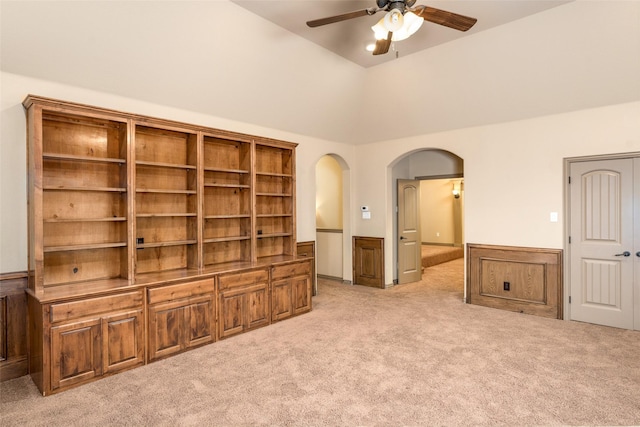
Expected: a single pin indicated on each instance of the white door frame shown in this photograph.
(566, 312)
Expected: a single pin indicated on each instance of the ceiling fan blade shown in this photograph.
(343, 17)
(442, 17)
(382, 46)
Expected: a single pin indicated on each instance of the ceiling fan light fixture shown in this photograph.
(393, 20)
(412, 23)
(379, 31)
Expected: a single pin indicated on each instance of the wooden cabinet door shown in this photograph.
(165, 329)
(282, 307)
(257, 302)
(232, 313)
(291, 289)
(177, 325)
(301, 291)
(122, 341)
(76, 353)
(199, 322)
(243, 309)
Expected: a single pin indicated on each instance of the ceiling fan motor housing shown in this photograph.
(401, 5)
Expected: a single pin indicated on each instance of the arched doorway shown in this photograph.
(439, 176)
(333, 225)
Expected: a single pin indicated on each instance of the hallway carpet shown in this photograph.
(411, 355)
(434, 255)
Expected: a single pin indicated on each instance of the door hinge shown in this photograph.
(569, 239)
(569, 180)
(569, 299)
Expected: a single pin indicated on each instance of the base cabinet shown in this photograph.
(243, 302)
(291, 289)
(74, 342)
(180, 317)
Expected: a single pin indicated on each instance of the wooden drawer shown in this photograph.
(236, 280)
(305, 250)
(181, 291)
(302, 268)
(61, 312)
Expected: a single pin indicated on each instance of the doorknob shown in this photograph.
(626, 253)
(638, 254)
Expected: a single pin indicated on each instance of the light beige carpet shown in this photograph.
(434, 254)
(410, 355)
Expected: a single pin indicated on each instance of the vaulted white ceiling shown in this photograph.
(350, 38)
(221, 59)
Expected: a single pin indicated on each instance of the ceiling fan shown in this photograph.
(401, 21)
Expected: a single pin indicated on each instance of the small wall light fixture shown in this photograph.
(456, 189)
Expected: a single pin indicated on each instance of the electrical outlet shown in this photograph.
(507, 286)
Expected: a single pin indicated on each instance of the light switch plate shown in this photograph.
(553, 217)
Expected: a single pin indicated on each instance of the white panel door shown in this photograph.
(602, 234)
(409, 236)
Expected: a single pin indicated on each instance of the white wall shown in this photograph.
(513, 173)
(583, 54)
(13, 191)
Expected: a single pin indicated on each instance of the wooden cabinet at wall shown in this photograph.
(123, 206)
(243, 302)
(180, 317)
(85, 339)
(308, 250)
(290, 289)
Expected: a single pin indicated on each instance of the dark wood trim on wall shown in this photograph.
(445, 176)
(13, 325)
(368, 261)
(521, 279)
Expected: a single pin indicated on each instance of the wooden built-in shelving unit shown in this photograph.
(148, 237)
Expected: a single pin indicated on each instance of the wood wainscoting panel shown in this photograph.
(525, 280)
(13, 326)
(368, 261)
(308, 250)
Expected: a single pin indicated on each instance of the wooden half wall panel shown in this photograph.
(368, 261)
(13, 326)
(525, 280)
